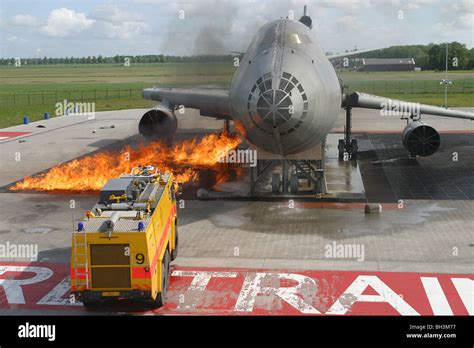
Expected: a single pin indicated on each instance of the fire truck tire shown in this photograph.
(174, 253)
(165, 267)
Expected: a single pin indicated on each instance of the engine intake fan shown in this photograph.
(158, 123)
(420, 139)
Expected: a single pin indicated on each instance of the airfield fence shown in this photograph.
(409, 87)
(53, 97)
(373, 87)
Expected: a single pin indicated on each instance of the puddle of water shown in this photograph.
(33, 230)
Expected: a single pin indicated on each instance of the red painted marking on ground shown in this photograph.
(371, 131)
(7, 135)
(333, 205)
(219, 291)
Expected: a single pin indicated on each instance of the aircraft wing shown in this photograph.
(351, 53)
(210, 102)
(369, 101)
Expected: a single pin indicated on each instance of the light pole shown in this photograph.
(445, 81)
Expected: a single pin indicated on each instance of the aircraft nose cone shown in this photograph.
(277, 102)
(275, 107)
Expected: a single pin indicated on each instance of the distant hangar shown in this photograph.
(390, 64)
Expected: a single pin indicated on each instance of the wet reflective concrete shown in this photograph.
(448, 174)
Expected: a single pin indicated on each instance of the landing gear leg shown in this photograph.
(348, 147)
(226, 126)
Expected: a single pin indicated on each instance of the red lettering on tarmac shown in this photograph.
(207, 291)
(8, 135)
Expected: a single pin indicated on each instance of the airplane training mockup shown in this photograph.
(285, 97)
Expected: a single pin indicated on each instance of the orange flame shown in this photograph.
(187, 161)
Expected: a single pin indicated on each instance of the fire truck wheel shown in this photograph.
(165, 267)
(174, 253)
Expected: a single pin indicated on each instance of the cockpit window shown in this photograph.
(294, 38)
(298, 38)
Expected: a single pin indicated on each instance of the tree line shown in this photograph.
(118, 59)
(429, 57)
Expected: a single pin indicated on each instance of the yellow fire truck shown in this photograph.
(123, 247)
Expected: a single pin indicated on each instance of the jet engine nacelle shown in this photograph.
(420, 139)
(158, 123)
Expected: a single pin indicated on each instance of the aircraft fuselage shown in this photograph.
(285, 96)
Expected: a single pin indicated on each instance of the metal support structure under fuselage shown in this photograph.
(290, 175)
(287, 176)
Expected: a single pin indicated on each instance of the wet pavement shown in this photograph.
(449, 174)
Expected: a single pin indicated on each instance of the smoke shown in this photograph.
(210, 40)
(216, 27)
(190, 31)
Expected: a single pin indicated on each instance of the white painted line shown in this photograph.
(438, 301)
(465, 289)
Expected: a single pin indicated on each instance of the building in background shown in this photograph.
(391, 64)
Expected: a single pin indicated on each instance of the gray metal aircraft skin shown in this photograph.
(285, 95)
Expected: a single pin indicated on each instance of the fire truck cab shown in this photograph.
(123, 247)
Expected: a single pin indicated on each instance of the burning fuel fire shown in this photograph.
(187, 160)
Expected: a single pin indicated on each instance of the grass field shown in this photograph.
(33, 90)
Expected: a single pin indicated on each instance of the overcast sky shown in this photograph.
(61, 28)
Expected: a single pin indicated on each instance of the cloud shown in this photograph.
(113, 14)
(461, 6)
(110, 27)
(350, 24)
(63, 22)
(458, 18)
(344, 4)
(123, 31)
(15, 39)
(458, 25)
(12, 38)
(466, 21)
(402, 4)
(112, 22)
(24, 20)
